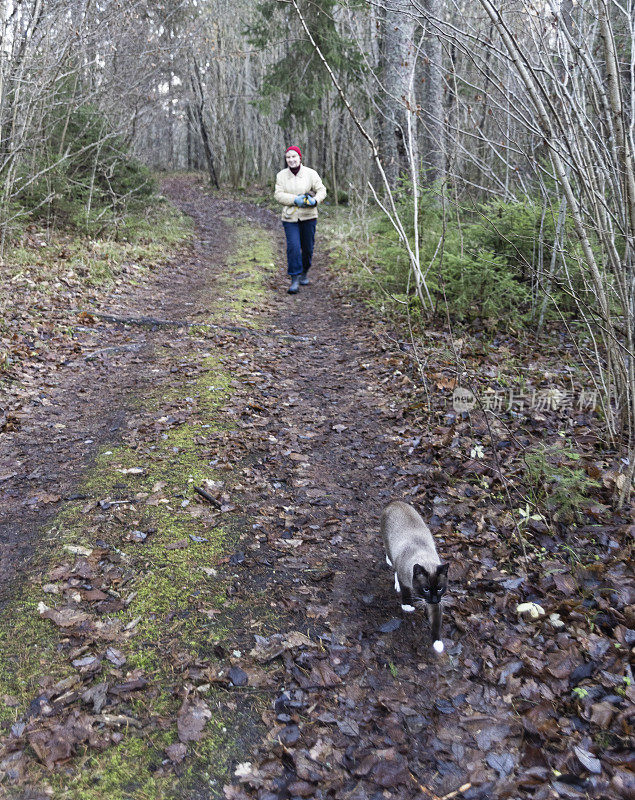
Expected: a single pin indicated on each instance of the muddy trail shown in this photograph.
(286, 668)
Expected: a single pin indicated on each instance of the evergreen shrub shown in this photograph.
(557, 482)
(471, 275)
(482, 284)
(524, 232)
(514, 230)
(86, 178)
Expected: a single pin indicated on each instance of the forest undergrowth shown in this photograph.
(483, 334)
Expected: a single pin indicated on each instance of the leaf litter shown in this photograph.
(534, 696)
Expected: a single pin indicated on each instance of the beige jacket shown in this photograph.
(289, 186)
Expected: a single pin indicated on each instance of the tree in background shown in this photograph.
(398, 55)
(298, 78)
(74, 78)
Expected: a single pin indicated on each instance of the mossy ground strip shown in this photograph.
(168, 590)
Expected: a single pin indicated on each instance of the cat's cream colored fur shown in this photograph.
(408, 542)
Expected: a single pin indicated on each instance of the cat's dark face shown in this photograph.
(429, 586)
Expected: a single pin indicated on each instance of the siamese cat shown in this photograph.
(419, 574)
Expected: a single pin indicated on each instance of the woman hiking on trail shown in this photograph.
(299, 190)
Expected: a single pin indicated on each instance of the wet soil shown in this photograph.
(89, 401)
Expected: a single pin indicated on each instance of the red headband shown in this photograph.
(293, 147)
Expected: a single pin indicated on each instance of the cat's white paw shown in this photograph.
(438, 645)
(409, 610)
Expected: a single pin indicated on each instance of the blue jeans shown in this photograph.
(300, 238)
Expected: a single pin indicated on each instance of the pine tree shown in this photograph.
(299, 75)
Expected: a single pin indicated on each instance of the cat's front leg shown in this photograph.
(435, 613)
(406, 600)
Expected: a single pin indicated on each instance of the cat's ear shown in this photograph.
(419, 571)
(442, 573)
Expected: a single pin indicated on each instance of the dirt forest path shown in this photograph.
(278, 407)
(78, 409)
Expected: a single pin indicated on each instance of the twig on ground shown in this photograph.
(458, 791)
(151, 322)
(432, 796)
(142, 321)
(207, 496)
(122, 348)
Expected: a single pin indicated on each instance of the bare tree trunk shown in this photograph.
(398, 53)
(433, 151)
(199, 109)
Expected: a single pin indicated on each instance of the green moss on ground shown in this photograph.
(135, 768)
(169, 590)
(29, 652)
(209, 390)
(247, 271)
(125, 771)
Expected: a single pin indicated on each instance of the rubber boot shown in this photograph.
(304, 278)
(295, 285)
